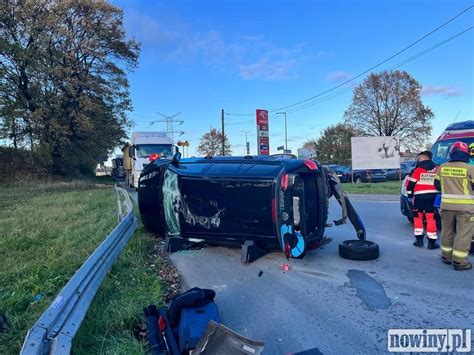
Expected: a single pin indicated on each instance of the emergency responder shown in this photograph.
(421, 189)
(455, 180)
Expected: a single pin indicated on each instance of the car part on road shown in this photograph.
(183, 323)
(54, 331)
(358, 250)
(155, 339)
(218, 339)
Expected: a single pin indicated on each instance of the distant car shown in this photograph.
(369, 175)
(274, 202)
(343, 172)
(399, 174)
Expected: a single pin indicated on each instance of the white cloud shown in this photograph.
(264, 69)
(248, 55)
(338, 76)
(442, 90)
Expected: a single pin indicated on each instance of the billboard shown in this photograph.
(306, 153)
(375, 153)
(263, 140)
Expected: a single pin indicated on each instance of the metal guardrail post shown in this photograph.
(54, 331)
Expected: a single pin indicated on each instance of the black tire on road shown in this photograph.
(358, 250)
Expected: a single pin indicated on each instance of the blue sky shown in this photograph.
(199, 57)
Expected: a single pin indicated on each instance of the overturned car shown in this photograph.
(263, 202)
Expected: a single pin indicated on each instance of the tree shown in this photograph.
(211, 143)
(389, 104)
(334, 145)
(63, 79)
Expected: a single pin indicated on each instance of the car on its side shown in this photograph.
(368, 175)
(273, 202)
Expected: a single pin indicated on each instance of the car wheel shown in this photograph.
(358, 180)
(358, 250)
(410, 219)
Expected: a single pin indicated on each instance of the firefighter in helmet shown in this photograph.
(455, 180)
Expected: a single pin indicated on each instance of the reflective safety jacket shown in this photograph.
(421, 179)
(455, 180)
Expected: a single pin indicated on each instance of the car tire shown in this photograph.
(358, 180)
(358, 250)
(410, 220)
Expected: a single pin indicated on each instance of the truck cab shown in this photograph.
(143, 145)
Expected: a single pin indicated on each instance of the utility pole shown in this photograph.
(286, 131)
(247, 148)
(223, 134)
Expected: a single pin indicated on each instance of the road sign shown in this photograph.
(281, 147)
(306, 153)
(375, 152)
(262, 132)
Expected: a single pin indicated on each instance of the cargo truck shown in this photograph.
(137, 154)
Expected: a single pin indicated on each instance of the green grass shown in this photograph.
(46, 232)
(376, 188)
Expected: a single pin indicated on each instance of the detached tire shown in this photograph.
(358, 250)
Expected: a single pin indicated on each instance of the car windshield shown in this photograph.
(441, 149)
(144, 150)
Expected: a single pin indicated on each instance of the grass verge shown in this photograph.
(47, 232)
(375, 188)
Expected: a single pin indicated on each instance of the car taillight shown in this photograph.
(311, 165)
(274, 210)
(284, 182)
(153, 157)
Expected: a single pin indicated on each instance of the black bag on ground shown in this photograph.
(195, 297)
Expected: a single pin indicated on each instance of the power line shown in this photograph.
(170, 124)
(398, 65)
(368, 70)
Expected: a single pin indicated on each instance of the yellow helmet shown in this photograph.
(471, 148)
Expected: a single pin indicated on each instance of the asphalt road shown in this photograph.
(332, 304)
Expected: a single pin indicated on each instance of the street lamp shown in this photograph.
(247, 148)
(286, 132)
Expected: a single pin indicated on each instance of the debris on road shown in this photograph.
(166, 271)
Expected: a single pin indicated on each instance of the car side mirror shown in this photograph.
(176, 158)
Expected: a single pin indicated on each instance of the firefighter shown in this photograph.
(421, 189)
(455, 180)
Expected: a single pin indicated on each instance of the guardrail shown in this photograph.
(54, 331)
